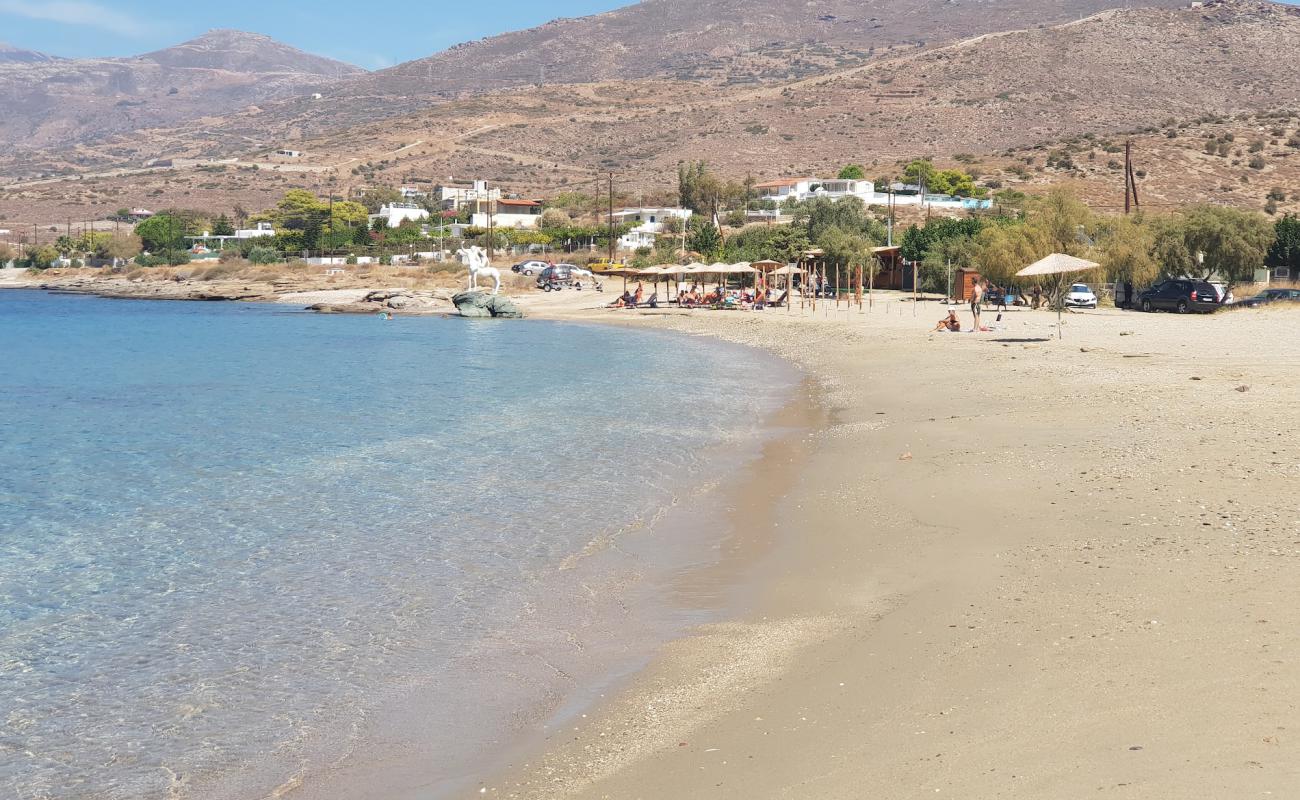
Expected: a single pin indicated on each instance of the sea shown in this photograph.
(247, 549)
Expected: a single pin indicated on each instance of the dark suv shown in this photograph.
(557, 277)
(1181, 295)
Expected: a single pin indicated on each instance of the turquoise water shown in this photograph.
(239, 543)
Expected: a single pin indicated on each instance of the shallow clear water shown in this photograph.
(231, 536)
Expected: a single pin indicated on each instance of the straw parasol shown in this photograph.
(1057, 265)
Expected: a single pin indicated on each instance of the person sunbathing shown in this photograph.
(623, 302)
(949, 323)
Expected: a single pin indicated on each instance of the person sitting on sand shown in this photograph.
(623, 302)
(949, 323)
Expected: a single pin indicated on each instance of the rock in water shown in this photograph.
(482, 304)
(505, 308)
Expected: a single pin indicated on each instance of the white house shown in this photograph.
(476, 193)
(284, 153)
(800, 189)
(511, 214)
(262, 229)
(208, 243)
(397, 213)
(412, 193)
(647, 224)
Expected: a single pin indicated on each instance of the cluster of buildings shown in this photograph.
(487, 206)
(899, 194)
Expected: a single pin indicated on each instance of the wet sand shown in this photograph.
(1009, 566)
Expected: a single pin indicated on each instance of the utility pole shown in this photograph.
(1131, 201)
(611, 218)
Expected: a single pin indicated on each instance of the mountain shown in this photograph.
(58, 102)
(736, 41)
(994, 98)
(14, 55)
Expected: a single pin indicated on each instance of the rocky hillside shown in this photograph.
(15, 55)
(736, 41)
(1108, 75)
(51, 102)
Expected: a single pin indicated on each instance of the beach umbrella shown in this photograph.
(1057, 265)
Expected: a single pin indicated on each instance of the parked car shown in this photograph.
(1181, 295)
(561, 276)
(1273, 296)
(1080, 296)
(529, 268)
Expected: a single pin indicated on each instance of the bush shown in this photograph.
(350, 260)
(263, 255)
(1257, 162)
(1256, 147)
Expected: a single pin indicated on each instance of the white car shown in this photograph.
(1080, 296)
(529, 268)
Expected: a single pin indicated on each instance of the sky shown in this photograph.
(370, 36)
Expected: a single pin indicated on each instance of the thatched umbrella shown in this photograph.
(1057, 265)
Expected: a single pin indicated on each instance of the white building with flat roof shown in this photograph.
(647, 224)
(474, 193)
(801, 189)
(397, 213)
(509, 214)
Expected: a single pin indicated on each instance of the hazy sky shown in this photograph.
(370, 35)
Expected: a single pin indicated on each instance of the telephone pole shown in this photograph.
(611, 218)
(1131, 201)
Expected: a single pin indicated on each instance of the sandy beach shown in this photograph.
(1009, 566)
(1000, 565)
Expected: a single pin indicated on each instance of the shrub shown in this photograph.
(263, 255)
(1257, 147)
(1257, 162)
(350, 260)
(1270, 207)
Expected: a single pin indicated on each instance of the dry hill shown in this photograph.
(1113, 72)
(52, 102)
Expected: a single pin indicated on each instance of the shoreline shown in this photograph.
(942, 621)
(1011, 566)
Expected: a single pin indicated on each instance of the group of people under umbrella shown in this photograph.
(685, 284)
(686, 280)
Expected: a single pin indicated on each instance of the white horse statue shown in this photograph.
(479, 267)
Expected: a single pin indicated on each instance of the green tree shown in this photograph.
(39, 258)
(374, 198)
(852, 172)
(920, 172)
(698, 189)
(849, 214)
(161, 233)
(1285, 250)
(705, 239)
(1215, 241)
(222, 227)
(1127, 248)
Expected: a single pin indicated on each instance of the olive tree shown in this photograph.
(1215, 242)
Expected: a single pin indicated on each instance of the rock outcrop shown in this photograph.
(482, 305)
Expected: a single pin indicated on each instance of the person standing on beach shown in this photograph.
(976, 298)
